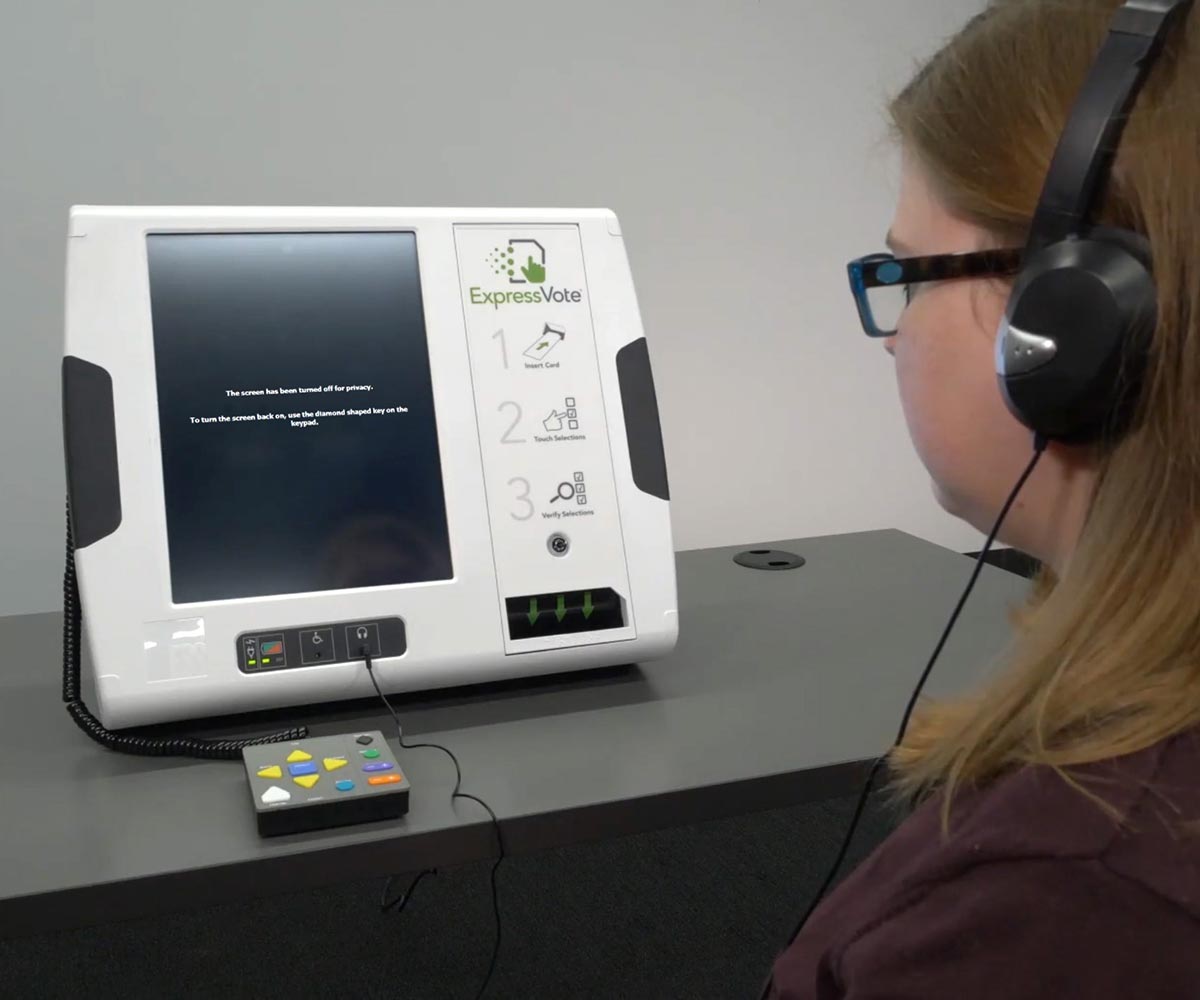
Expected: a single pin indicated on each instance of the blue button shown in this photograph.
(344, 785)
(378, 765)
(308, 767)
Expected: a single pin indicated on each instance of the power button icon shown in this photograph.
(558, 544)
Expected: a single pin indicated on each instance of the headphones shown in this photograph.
(1072, 347)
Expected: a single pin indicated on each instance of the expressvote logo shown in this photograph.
(523, 262)
(507, 261)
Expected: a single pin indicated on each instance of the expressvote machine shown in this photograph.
(296, 437)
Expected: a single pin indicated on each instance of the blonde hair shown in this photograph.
(1105, 660)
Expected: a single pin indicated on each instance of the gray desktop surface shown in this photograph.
(782, 684)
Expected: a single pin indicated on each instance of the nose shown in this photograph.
(889, 345)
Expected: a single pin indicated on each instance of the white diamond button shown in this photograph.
(275, 794)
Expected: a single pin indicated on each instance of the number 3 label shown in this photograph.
(522, 498)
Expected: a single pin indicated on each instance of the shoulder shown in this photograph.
(1158, 844)
(1152, 821)
(1028, 862)
(1037, 928)
(1034, 928)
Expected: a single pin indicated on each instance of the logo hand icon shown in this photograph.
(534, 272)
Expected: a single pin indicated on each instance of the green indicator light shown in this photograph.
(266, 659)
(253, 662)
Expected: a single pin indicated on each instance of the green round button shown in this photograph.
(372, 754)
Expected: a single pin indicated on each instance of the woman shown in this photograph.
(1056, 849)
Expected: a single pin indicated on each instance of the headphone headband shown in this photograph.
(1093, 130)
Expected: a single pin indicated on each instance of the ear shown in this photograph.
(989, 296)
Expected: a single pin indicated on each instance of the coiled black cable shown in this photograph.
(171, 746)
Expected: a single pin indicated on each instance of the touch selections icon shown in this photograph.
(568, 415)
(523, 261)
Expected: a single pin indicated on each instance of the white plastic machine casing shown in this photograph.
(501, 407)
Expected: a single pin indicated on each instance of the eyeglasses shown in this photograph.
(882, 283)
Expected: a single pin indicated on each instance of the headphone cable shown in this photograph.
(1039, 446)
(402, 900)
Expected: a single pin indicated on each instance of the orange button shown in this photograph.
(383, 779)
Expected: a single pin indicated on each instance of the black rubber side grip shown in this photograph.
(90, 445)
(642, 427)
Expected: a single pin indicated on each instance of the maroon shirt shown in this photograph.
(1035, 893)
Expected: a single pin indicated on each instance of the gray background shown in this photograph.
(742, 144)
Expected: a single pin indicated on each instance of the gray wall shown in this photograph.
(740, 142)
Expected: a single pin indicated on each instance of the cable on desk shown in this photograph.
(402, 900)
(171, 746)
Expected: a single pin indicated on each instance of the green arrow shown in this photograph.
(588, 606)
(561, 611)
(533, 611)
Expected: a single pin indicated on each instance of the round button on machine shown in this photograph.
(370, 754)
(364, 740)
(345, 785)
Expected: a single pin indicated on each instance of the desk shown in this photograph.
(782, 684)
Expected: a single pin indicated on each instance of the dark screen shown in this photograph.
(299, 440)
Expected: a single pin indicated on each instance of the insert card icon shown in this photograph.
(550, 338)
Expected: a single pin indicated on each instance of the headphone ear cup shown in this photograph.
(1076, 332)
(1135, 244)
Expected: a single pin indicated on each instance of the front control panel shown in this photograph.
(315, 645)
